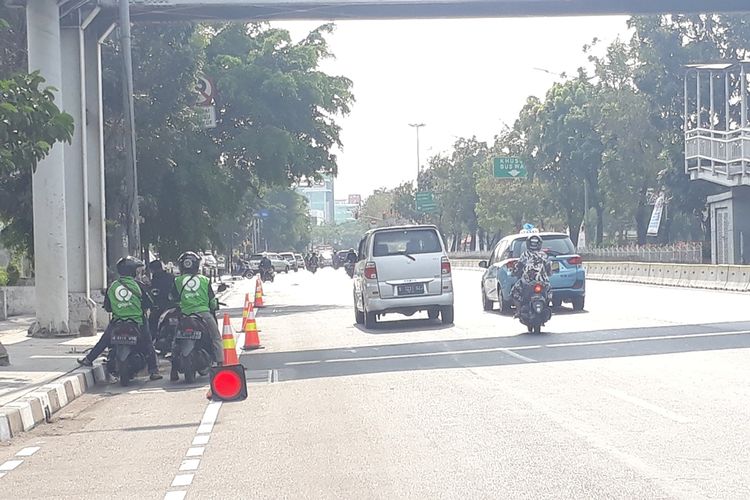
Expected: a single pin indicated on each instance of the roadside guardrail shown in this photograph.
(711, 277)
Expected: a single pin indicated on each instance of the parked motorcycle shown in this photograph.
(191, 348)
(125, 358)
(165, 330)
(535, 310)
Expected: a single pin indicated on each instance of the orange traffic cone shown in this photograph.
(258, 294)
(227, 339)
(244, 310)
(252, 341)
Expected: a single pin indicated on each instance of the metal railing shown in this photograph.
(718, 152)
(678, 253)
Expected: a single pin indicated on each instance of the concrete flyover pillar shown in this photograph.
(81, 309)
(50, 242)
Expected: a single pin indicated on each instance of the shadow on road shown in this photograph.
(385, 327)
(493, 351)
(276, 310)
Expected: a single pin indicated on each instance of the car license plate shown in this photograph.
(555, 267)
(188, 335)
(124, 339)
(412, 289)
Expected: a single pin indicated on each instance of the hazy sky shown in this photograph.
(460, 77)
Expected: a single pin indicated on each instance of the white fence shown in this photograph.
(678, 253)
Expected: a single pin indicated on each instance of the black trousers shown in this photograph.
(145, 345)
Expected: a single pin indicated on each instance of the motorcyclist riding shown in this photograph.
(351, 256)
(127, 299)
(193, 293)
(533, 265)
(265, 267)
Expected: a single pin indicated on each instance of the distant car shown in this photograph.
(568, 279)
(289, 257)
(339, 258)
(209, 260)
(280, 264)
(300, 261)
(221, 262)
(402, 270)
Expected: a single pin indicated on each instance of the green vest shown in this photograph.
(125, 298)
(192, 289)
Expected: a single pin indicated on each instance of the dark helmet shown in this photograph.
(155, 266)
(189, 263)
(534, 242)
(128, 266)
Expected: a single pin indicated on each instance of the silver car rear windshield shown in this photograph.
(407, 241)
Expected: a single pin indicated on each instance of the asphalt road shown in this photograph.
(645, 395)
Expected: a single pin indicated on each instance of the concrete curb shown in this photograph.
(38, 406)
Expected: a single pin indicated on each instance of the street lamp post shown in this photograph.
(417, 126)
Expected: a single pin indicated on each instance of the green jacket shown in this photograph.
(194, 294)
(125, 300)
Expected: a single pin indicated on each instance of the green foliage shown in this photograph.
(30, 123)
(3, 277)
(341, 236)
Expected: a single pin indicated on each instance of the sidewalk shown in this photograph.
(35, 362)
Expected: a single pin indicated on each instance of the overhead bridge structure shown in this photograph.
(64, 39)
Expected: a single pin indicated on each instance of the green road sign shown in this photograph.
(508, 167)
(426, 201)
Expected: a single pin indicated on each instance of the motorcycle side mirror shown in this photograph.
(223, 287)
(483, 264)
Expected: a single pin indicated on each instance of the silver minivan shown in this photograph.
(403, 270)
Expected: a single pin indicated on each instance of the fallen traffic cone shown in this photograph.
(252, 341)
(258, 294)
(244, 310)
(227, 339)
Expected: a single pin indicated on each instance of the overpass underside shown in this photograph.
(171, 10)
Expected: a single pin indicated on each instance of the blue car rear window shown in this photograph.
(553, 245)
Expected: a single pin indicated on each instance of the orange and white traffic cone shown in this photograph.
(227, 340)
(244, 310)
(252, 341)
(258, 294)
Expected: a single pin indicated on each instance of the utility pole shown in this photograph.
(132, 223)
(417, 126)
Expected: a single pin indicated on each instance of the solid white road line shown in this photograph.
(209, 418)
(649, 406)
(643, 339)
(2, 474)
(517, 356)
(175, 495)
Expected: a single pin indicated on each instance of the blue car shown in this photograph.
(568, 279)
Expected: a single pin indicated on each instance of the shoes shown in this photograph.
(155, 376)
(84, 362)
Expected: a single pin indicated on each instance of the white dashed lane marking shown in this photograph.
(190, 464)
(11, 465)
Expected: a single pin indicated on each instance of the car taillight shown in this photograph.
(538, 288)
(575, 261)
(371, 271)
(445, 266)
